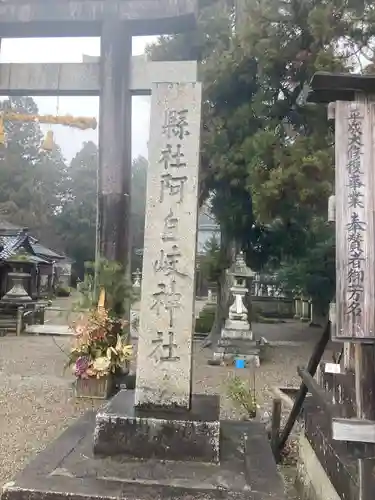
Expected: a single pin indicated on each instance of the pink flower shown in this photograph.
(81, 366)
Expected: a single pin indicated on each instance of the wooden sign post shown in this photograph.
(354, 113)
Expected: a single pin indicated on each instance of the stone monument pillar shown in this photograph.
(305, 310)
(162, 418)
(167, 305)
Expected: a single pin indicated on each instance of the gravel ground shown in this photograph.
(35, 399)
(36, 402)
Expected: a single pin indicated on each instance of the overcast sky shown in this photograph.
(71, 50)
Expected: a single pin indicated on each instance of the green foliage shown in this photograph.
(214, 260)
(243, 397)
(76, 221)
(76, 218)
(267, 160)
(314, 274)
(111, 277)
(63, 291)
(206, 319)
(30, 179)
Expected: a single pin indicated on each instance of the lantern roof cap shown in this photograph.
(240, 269)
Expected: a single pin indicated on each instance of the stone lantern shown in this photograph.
(236, 340)
(238, 318)
(17, 294)
(137, 279)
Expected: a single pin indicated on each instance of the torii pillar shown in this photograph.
(115, 157)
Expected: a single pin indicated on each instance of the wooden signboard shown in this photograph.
(355, 208)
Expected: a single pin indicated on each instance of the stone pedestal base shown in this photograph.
(237, 332)
(236, 341)
(228, 350)
(67, 469)
(122, 429)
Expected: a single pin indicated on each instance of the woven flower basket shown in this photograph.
(94, 388)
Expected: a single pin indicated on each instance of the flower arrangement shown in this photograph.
(99, 348)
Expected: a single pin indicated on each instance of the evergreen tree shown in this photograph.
(76, 218)
(30, 179)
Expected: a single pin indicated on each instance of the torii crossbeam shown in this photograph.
(71, 18)
(83, 79)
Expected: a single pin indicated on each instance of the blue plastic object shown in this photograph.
(240, 363)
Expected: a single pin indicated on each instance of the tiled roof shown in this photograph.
(8, 230)
(23, 256)
(46, 252)
(11, 245)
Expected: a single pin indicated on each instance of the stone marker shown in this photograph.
(167, 304)
(162, 418)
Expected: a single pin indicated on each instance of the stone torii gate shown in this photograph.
(115, 78)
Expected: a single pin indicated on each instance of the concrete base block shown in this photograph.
(122, 429)
(245, 345)
(236, 334)
(67, 469)
(230, 349)
(228, 357)
(312, 480)
(237, 324)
